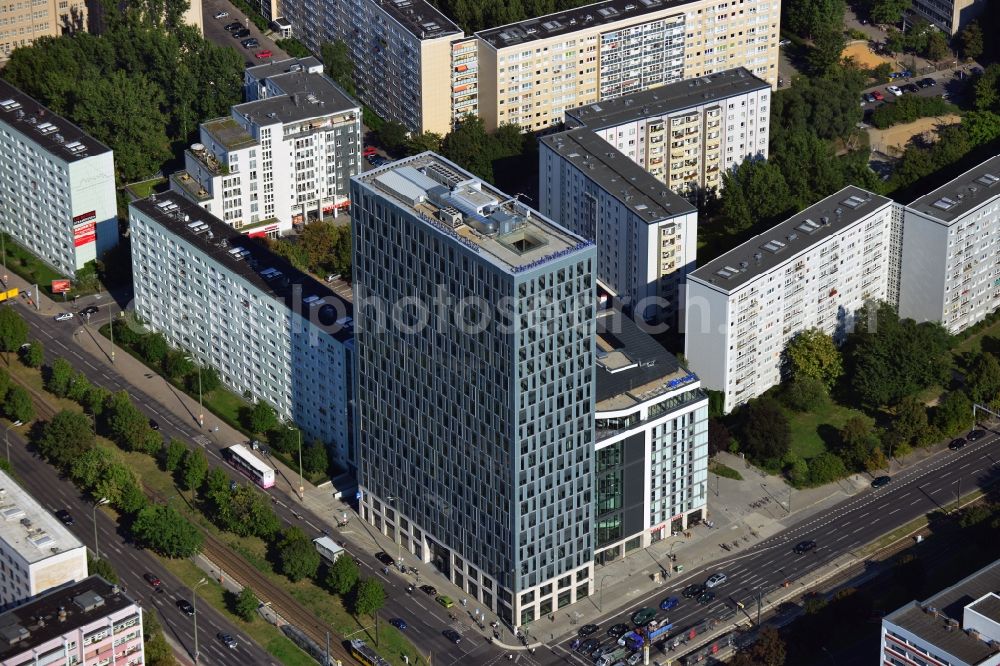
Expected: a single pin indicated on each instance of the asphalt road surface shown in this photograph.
(54, 493)
(426, 618)
(933, 484)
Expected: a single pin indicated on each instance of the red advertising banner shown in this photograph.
(85, 228)
(61, 286)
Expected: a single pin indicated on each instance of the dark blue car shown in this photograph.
(669, 603)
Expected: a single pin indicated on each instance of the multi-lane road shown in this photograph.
(933, 484)
(426, 619)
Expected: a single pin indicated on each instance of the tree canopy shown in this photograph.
(342, 575)
(809, 18)
(812, 353)
(13, 329)
(369, 597)
(65, 438)
(765, 433)
(296, 554)
(166, 531)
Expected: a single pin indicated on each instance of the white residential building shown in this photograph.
(282, 158)
(645, 234)
(688, 133)
(57, 185)
(36, 551)
(651, 425)
(959, 626)
(89, 622)
(269, 330)
(814, 270)
(951, 251)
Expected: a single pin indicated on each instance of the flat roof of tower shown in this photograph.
(61, 138)
(667, 99)
(571, 20)
(307, 95)
(774, 247)
(495, 225)
(27, 527)
(420, 17)
(962, 194)
(633, 186)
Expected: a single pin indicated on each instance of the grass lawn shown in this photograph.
(974, 342)
(31, 268)
(808, 428)
(725, 470)
(146, 187)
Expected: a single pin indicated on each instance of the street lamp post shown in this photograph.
(201, 407)
(97, 550)
(111, 329)
(194, 614)
(302, 488)
(6, 441)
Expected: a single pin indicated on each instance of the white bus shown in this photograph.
(242, 459)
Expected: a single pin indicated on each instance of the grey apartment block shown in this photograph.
(475, 386)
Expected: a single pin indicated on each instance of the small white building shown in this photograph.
(646, 235)
(950, 263)
(283, 157)
(57, 185)
(37, 552)
(814, 270)
(328, 549)
(271, 331)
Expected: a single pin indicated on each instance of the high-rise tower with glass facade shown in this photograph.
(474, 332)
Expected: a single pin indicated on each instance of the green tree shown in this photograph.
(805, 394)
(285, 440)
(982, 380)
(338, 65)
(209, 381)
(79, 385)
(129, 427)
(261, 417)
(765, 433)
(970, 40)
(13, 329)
(768, 650)
(887, 11)
(95, 400)
(424, 141)
(167, 532)
(369, 597)
(797, 470)
(65, 438)
(172, 454)
(176, 364)
(58, 377)
(953, 413)
(314, 458)
(937, 48)
(153, 348)
(244, 511)
(193, 469)
(469, 146)
(33, 355)
(859, 442)
(764, 190)
(17, 405)
(215, 482)
(826, 51)
(910, 420)
(342, 575)
(101, 567)
(393, 136)
(808, 18)
(245, 605)
(297, 556)
(826, 467)
(812, 353)
(5, 383)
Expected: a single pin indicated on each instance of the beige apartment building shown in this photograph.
(531, 72)
(24, 21)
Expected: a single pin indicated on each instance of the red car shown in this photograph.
(879, 97)
(368, 151)
(262, 55)
(151, 579)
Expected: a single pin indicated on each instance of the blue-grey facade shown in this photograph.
(474, 330)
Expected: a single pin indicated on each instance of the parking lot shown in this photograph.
(215, 31)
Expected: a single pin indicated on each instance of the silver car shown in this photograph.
(715, 580)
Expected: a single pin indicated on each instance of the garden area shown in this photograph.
(888, 389)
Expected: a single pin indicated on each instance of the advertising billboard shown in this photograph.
(85, 228)
(61, 286)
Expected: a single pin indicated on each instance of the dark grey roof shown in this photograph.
(957, 197)
(930, 620)
(218, 241)
(625, 180)
(61, 138)
(988, 606)
(83, 602)
(276, 67)
(647, 361)
(787, 239)
(420, 17)
(664, 100)
(306, 96)
(560, 23)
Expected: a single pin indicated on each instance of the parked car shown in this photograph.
(263, 55)
(804, 546)
(241, 33)
(588, 645)
(445, 601)
(975, 435)
(429, 589)
(90, 310)
(588, 629)
(895, 90)
(910, 88)
(64, 516)
(227, 640)
(151, 579)
(956, 444)
(715, 580)
(235, 25)
(618, 630)
(870, 98)
(452, 636)
(398, 622)
(384, 557)
(221, 15)
(879, 97)
(692, 590)
(927, 82)
(784, 42)
(880, 481)
(669, 603)
(251, 43)
(368, 151)
(154, 425)
(184, 606)
(64, 316)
